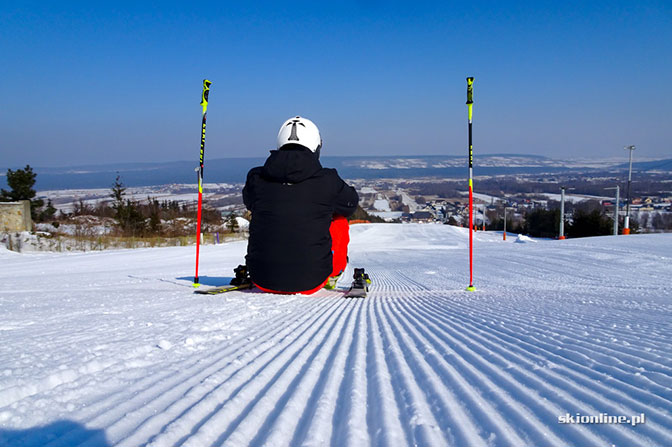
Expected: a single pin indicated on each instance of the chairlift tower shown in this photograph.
(561, 236)
(506, 208)
(626, 225)
(618, 198)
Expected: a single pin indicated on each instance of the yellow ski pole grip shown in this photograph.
(470, 90)
(206, 92)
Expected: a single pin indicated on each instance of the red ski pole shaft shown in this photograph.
(198, 227)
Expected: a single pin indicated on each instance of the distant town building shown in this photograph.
(422, 216)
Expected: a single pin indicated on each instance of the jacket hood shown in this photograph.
(291, 164)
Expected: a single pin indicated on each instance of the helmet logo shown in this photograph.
(293, 136)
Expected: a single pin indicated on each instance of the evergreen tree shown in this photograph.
(542, 223)
(593, 223)
(361, 214)
(452, 221)
(133, 222)
(48, 212)
(232, 222)
(21, 183)
(118, 191)
(127, 213)
(154, 216)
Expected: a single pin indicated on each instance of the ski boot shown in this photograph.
(360, 284)
(331, 282)
(242, 276)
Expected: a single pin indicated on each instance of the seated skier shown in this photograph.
(299, 233)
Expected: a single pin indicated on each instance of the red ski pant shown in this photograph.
(340, 238)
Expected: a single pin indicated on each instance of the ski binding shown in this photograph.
(360, 285)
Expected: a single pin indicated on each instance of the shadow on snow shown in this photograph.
(215, 281)
(59, 433)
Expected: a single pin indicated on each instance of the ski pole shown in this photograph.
(470, 103)
(204, 105)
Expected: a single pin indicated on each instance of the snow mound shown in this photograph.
(522, 239)
(4, 251)
(242, 223)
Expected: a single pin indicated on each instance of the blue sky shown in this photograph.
(90, 82)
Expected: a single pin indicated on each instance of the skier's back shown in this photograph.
(298, 233)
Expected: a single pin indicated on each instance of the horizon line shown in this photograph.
(500, 154)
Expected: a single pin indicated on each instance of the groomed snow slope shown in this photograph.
(112, 348)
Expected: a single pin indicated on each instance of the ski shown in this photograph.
(360, 285)
(242, 281)
(355, 293)
(223, 289)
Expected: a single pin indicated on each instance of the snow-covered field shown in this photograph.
(575, 198)
(66, 199)
(112, 348)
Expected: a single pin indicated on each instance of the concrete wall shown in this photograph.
(15, 216)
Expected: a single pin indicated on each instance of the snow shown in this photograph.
(575, 198)
(112, 348)
(381, 205)
(408, 201)
(66, 199)
(242, 222)
(486, 198)
(522, 239)
(387, 215)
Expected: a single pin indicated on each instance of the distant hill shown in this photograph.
(655, 165)
(234, 170)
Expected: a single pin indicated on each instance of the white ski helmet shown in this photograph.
(301, 131)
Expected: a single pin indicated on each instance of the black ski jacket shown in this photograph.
(292, 199)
